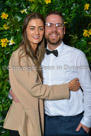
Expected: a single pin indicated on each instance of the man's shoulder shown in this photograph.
(73, 49)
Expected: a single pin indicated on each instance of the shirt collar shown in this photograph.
(59, 48)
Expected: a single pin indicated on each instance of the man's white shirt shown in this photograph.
(71, 63)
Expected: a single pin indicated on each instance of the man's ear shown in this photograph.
(64, 30)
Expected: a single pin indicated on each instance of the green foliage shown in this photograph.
(76, 20)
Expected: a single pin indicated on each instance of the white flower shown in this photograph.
(11, 42)
(24, 11)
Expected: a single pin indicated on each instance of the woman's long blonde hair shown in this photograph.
(37, 56)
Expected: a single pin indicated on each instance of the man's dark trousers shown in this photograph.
(63, 126)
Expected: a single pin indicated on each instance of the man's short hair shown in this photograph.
(55, 13)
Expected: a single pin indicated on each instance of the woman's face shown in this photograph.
(35, 32)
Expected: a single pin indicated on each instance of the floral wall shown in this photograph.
(77, 14)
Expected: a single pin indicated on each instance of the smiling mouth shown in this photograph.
(36, 37)
(53, 35)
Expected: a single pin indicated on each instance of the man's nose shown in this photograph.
(54, 27)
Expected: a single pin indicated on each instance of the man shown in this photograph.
(60, 65)
(70, 117)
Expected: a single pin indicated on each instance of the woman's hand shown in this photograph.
(74, 84)
(15, 99)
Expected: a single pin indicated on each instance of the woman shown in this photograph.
(27, 116)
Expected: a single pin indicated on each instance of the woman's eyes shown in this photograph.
(32, 28)
(40, 28)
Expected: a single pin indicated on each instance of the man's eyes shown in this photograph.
(57, 25)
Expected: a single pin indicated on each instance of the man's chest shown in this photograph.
(59, 70)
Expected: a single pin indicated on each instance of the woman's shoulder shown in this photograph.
(15, 54)
(19, 56)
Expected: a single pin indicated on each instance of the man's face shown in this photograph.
(55, 30)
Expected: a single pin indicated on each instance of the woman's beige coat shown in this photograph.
(28, 116)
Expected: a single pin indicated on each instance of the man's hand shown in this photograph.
(15, 99)
(84, 127)
(74, 84)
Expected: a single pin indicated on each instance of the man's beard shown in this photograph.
(53, 42)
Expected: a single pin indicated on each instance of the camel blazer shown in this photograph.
(27, 117)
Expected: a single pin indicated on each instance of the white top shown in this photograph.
(71, 63)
